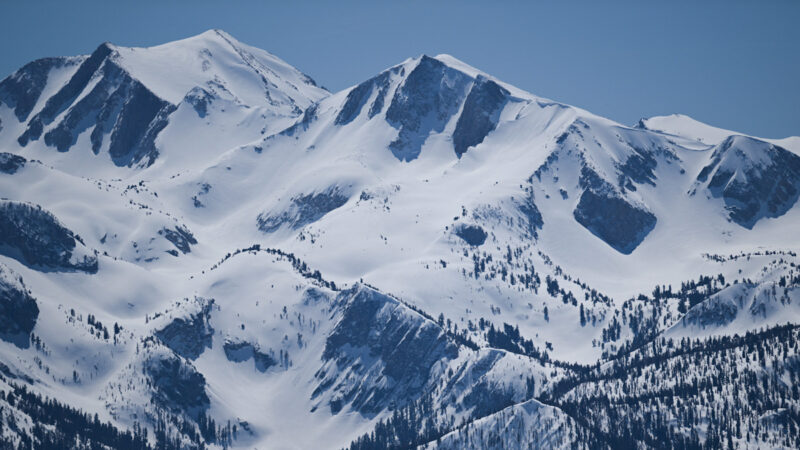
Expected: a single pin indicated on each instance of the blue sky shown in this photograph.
(733, 64)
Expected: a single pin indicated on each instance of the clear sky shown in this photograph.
(733, 64)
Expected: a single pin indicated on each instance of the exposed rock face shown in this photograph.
(309, 116)
(480, 395)
(116, 106)
(303, 210)
(429, 97)
(189, 336)
(176, 385)
(237, 351)
(471, 234)
(379, 340)
(358, 97)
(638, 168)
(426, 101)
(144, 151)
(480, 114)
(755, 179)
(180, 237)
(139, 114)
(607, 180)
(618, 223)
(607, 214)
(66, 95)
(10, 163)
(200, 99)
(23, 88)
(532, 215)
(18, 309)
(35, 237)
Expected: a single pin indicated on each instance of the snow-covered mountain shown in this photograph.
(131, 100)
(200, 246)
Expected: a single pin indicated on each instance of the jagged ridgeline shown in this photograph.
(202, 248)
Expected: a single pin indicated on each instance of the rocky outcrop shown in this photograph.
(62, 99)
(116, 106)
(607, 214)
(35, 237)
(180, 237)
(755, 179)
(239, 351)
(425, 102)
(176, 385)
(471, 234)
(303, 210)
(18, 309)
(22, 89)
(380, 341)
(480, 115)
(617, 222)
(191, 335)
(11, 163)
(359, 95)
(531, 215)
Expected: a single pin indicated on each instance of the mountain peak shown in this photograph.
(459, 65)
(756, 179)
(215, 54)
(690, 128)
(685, 126)
(213, 35)
(425, 95)
(129, 93)
(456, 64)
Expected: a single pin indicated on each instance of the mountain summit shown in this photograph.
(126, 97)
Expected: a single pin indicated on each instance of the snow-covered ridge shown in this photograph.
(254, 76)
(125, 99)
(684, 126)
